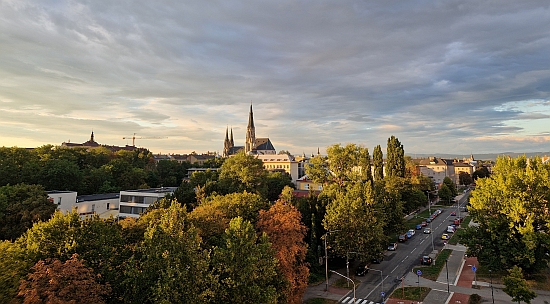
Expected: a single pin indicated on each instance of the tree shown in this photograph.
(61, 174)
(171, 258)
(14, 266)
(516, 286)
(282, 224)
(395, 158)
(378, 162)
(445, 194)
(511, 209)
(52, 281)
(482, 172)
(465, 178)
(243, 173)
(21, 206)
(276, 182)
(247, 266)
(451, 185)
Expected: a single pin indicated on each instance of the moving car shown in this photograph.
(361, 270)
(445, 236)
(453, 213)
(426, 260)
(392, 246)
(427, 230)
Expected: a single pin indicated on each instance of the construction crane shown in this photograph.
(134, 138)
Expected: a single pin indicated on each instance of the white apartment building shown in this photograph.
(134, 202)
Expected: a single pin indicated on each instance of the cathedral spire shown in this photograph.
(92, 136)
(231, 142)
(250, 132)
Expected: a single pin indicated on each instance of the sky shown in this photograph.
(452, 76)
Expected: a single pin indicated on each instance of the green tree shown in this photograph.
(465, 178)
(511, 209)
(482, 172)
(451, 185)
(276, 182)
(243, 173)
(21, 206)
(14, 265)
(171, 258)
(247, 266)
(395, 158)
(378, 162)
(516, 286)
(61, 174)
(445, 194)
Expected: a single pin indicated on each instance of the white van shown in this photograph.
(450, 229)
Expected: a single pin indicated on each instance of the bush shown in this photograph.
(474, 299)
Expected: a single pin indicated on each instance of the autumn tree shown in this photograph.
(282, 224)
(395, 158)
(52, 281)
(21, 206)
(247, 267)
(378, 162)
(516, 286)
(511, 207)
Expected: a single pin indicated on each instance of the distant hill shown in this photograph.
(481, 156)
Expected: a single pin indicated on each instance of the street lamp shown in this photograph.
(381, 278)
(326, 258)
(347, 263)
(446, 267)
(430, 214)
(491, 276)
(348, 280)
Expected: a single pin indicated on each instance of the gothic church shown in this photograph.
(253, 145)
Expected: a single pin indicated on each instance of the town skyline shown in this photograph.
(458, 77)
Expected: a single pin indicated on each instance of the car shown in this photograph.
(453, 213)
(361, 270)
(456, 222)
(439, 211)
(427, 230)
(402, 238)
(392, 246)
(445, 236)
(424, 224)
(428, 220)
(411, 232)
(426, 260)
(451, 229)
(418, 227)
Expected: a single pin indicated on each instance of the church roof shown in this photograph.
(264, 144)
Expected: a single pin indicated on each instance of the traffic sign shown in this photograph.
(418, 272)
(383, 294)
(474, 268)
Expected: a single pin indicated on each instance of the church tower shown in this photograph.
(250, 133)
(226, 144)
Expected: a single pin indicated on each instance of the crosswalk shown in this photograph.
(349, 300)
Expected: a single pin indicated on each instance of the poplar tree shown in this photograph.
(378, 162)
(395, 158)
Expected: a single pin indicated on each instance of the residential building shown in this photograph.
(281, 162)
(65, 200)
(134, 202)
(105, 205)
(462, 167)
(437, 169)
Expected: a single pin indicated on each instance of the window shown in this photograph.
(125, 209)
(306, 186)
(108, 205)
(59, 200)
(93, 207)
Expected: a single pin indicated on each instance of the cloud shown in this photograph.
(436, 74)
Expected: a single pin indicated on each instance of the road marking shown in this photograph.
(413, 250)
(405, 259)
(423, 241)
(394, 269)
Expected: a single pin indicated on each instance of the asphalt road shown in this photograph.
(397, 263)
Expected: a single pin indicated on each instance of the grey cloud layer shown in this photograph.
(318, 72)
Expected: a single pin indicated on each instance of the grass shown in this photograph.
(411, 293)
(432, 272)
(343, 283)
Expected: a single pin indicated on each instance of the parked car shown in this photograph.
(428, 220)
(378, 259)
(424, 224)
(445, 236)
(361, 270)
(427, 230)
(426, 260)
(411, 232)
(456, 222)
(418, 227)
(392, 247)
(402, 238)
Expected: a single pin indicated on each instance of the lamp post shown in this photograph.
(381, 278)
(347, 263)
(430, 214)
(348, 280)
(491, 276)
(326, 258)
(446, 267)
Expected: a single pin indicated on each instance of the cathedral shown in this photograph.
(253, 145)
